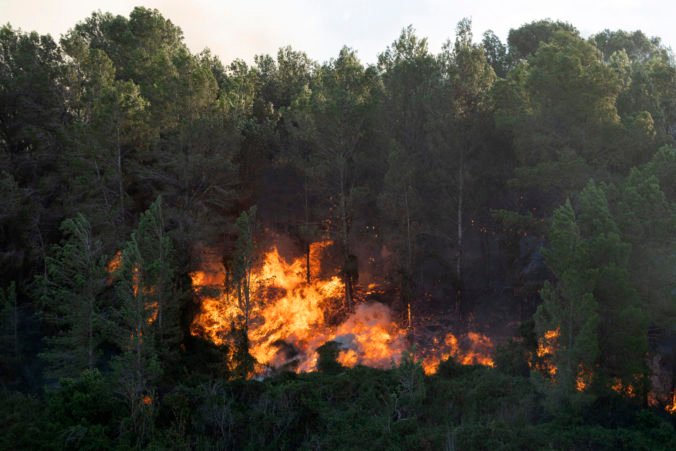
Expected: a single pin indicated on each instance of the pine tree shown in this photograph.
(148, 330)
(410, 73)
(137, 368)
(460, 103)
(569, 306)
(243, 261)
(594, 306)
(71, 300)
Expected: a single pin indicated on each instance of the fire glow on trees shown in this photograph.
(114, 265)
(291, 318)
(547, 348)
(478, 350)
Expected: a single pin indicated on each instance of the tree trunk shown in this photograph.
(247, 298)
(458, 267)
(308, 271)
(160, 282)
(345, 233)
(89, 293)
(102, 185)
(307, 262)
(15, 326)
(409, 250)
(120, 183)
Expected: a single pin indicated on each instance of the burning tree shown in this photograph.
(242, 265)
(593, 306)
(148, 329)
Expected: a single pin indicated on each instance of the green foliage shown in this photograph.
(327, 357)
(525, 40)
(71, 298)
(594, 304)
(148, 326)
(83, 412)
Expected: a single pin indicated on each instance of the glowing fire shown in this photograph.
(583, 379)
(671, 407)
(476, 351)
(545, 351)
(290, 318)
(113, 267)
(627, 390)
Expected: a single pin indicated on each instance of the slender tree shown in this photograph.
(71, 300)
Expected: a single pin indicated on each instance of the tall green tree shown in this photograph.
(594, 304)
(462, 101)
(148, 330)
(646, 215)
(339, 105)
(569, 307)
(560, 107)
(243, 261)
(33, 122)
(524, 41)
(110, 128)
(410, 74)
(71, 298)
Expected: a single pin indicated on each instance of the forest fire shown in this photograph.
(290, 318)
(671, 407)
(545, 351)
(583, 379)
(114, 265)
(626, 390)
(476, 351)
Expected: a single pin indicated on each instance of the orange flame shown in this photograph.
(477, 349)
(113, 266)
(290, 318)
(583, 379)
(546, 349)
(288, 314)
(671, 407)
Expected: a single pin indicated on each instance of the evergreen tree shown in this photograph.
(410, 73)
(33, 121)
(461, 104)
(594, 305)
(569, 307)
(243, 262)
(148, 329)
(339, 105)
(71, 300)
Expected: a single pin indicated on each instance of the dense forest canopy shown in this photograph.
(474, 249)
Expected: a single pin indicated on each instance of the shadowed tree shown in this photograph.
(461, 102)
(70, 295)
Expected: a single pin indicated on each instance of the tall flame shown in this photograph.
(290, 318)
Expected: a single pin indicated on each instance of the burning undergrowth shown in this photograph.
(292, 311)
